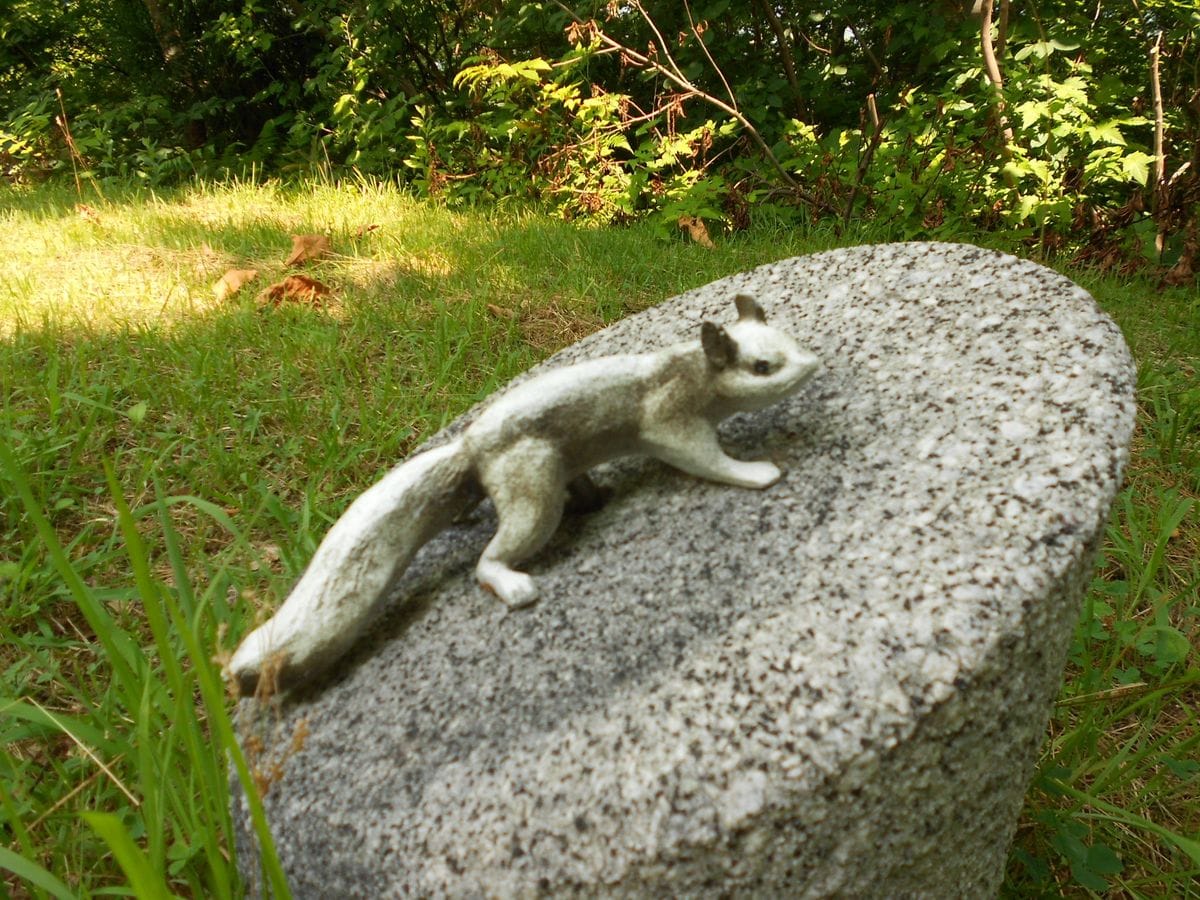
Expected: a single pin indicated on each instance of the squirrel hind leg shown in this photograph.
(528, 487)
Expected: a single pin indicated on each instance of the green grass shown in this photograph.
(168, 461)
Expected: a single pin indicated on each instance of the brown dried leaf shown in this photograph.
(1184, 271)
(500, 311)
(697, 229)
(1181, 273)
(232, 281)
(299, 288)
(308, 246)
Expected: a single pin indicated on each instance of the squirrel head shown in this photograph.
(753, 364)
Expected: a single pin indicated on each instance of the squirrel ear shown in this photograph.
(748, 308)
(719, 347)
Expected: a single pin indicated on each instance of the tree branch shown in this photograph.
(785, 50)
(992, 67)
(677, 78)
(1160, 156)
(1002, 29)
(712, 62)
(864, 162)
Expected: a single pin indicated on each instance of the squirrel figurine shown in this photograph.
(526, 451)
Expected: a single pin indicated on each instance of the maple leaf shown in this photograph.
(697, 229)
(308, 246)
(231, 282)
(298, 288)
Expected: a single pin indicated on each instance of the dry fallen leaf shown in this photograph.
(297, 288)
(1181, 273)
(1184, 271)
(500, 311)
(308, 246)
(364, 229)
(697, 229)
(231, 282)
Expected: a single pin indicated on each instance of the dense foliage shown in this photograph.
(840, 108)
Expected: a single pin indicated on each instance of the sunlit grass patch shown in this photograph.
(166, 446)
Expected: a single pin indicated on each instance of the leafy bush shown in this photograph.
(611, 112)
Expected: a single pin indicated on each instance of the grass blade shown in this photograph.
(142, 878)
(34, 874)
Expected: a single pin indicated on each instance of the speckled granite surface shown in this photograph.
(832, 688)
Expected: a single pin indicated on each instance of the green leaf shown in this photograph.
(34, 874)
(1181, 768)
(1038, 868)
(142, 878)
(1089, 879)
(1136, 166)
(1170, 645)
(1107, 133)
(1129, 675)
(137, 412)
(1111, 588)
(1103, 861)
(1072, 847)
(1043, 49)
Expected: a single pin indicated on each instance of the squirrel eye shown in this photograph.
(761, 367)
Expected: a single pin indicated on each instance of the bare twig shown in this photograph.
(676, 77)
(712, 62)
(828, 51)
(1002, 29)
(567, 63)
(63, 801)
(785, 50)
(871, 57)
(992, 67)
(74, 152)
(662, 42)
(864, 162)
(88, 751)
(1160, 157)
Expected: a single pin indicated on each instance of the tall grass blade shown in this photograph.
(34, 874)
(212, 691)
(146, 884)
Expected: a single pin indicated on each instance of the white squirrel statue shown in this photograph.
(525, 451)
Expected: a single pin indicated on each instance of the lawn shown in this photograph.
(170, 456)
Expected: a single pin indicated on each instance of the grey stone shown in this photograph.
(835, 687)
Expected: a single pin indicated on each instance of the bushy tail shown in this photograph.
(361, 557)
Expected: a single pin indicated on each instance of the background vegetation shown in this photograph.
(170, 454)
(1055, 121)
